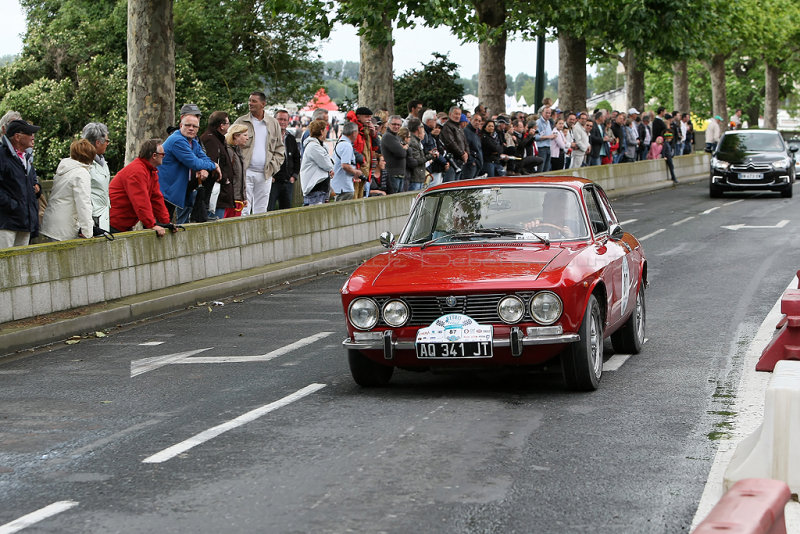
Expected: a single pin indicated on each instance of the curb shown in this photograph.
(55, 327)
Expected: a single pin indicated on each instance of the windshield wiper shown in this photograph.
(458, 235)
(512, 231)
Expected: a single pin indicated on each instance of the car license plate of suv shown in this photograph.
(751, 176)
(469, 349)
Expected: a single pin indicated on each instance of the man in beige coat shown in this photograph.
(263, 154)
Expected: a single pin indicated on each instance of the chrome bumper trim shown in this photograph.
(408, 344)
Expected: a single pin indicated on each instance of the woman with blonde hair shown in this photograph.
(235, 138)
(69, 211)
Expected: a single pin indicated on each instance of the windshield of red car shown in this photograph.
(516, 213)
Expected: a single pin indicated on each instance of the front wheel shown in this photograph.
(582, 362)
(630, 338)
(714, 192)
(787, 192)
(366, 372)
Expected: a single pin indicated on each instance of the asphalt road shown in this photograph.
(244, 418)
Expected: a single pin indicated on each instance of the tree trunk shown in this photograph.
(375, 80)
(770, 98)
(571, 72)
(719, 94)
(492, 57)
(151, 72)
(680, 87)
(634, 80)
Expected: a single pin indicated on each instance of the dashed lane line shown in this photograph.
(629, 221)
(615, 362)
(710, 210)
(211, 433)
(39, 515)
(687, 219)
(648, 236)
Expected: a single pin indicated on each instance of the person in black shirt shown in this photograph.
(280, 196)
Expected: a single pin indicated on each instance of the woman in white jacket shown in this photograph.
(69, 209)
(316, 167)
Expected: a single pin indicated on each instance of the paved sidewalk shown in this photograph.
(749, 407)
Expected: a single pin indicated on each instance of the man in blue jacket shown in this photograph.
(19, 189)
(183, 155)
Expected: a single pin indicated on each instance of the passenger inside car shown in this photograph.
(560, 216)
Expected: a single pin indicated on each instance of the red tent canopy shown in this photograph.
(321, 100)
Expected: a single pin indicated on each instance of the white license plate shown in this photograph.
(469, 349)
(751, 176)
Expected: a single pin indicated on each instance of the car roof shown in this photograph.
(564, 181)
(755, 132)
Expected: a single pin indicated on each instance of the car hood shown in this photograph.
(737, 157)
(453, 266)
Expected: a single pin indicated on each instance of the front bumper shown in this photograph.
(516, 340)
(772, 180)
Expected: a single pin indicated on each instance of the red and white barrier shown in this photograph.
(751, 506)
(785, 344)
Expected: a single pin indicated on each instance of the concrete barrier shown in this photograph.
(42, 279)
(752, 506)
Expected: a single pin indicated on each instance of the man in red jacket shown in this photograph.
(134, 192)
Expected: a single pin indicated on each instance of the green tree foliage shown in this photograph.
(435, 83)
(73, 66)
(607, 78)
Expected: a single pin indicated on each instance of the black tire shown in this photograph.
(366, 372)
(787, 193)
(582, 362)
(630, 338)
(714, 192)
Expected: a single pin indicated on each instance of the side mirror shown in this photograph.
(387, 239)
(794, 148)
(616, 232)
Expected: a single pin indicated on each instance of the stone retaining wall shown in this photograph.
(52, 277)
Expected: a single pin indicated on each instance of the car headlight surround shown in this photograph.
(782, 164)
(363, 313)
(395, 313)
(720, 165)
(546, 307)
(511, 309)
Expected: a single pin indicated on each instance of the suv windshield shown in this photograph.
(536, 213)
(740, 143)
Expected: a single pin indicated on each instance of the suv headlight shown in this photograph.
(720, 165)
(363, 313)
(546, 307)
(782, 164)
(395, 313)
(511, 309)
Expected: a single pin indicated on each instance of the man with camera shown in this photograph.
(453, 138)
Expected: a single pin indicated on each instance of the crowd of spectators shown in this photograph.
(250, 165)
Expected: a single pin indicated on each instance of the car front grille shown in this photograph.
(752, 167)
(425, 309)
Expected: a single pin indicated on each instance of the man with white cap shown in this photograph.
(19, 188)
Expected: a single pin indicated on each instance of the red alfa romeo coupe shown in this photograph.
(499, 272)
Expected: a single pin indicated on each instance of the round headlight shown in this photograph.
(395, 313)
(546, 307)
(363, 313)
(511, 309)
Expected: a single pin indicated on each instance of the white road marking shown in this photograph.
(733, 202)
(709, 210)
(151, 343)
(148, 364)
(211, 433)
(780, 224)
(687, 219)
(39, 515)
(629, 221)
(260, 357)
(139, 367)
(615, 362)
(648, 236)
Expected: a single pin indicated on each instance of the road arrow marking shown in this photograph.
(781, 224)
(139, 367)
(148, 364)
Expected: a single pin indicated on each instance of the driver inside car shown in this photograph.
(559, 217)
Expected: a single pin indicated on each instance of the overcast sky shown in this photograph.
(412, 47)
